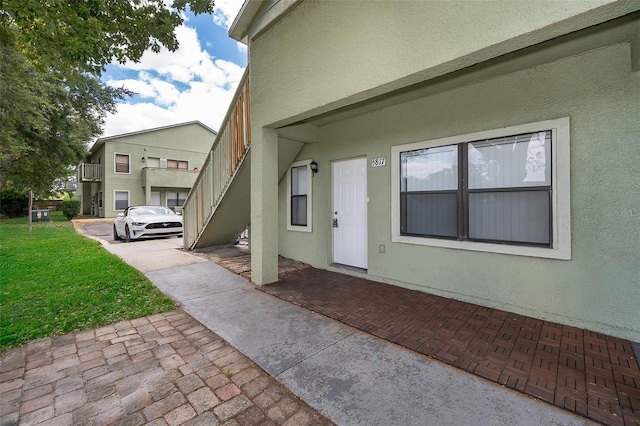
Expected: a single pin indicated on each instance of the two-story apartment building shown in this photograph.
(483, 151)
(156, 166)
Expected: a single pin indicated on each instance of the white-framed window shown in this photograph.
(176, 199)
(177, 164)
(120, 200)
(505, 191)
(299, 196)
(122, 163)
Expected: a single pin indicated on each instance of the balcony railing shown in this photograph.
(225, 158)
(90, 172)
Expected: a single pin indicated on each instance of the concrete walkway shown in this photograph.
(348, 376)
(590, 374)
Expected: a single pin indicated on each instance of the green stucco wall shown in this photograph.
(323, 57)
(327, 54)
(599, 288)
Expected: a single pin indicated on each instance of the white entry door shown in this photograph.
(350, 212)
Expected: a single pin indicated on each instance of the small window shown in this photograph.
(504, 191)
(177, 164)
(100, 199)
(176, 199)
(299, 184)
(120, 200)
(122, 163)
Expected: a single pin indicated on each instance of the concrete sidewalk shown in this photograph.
(350, 377)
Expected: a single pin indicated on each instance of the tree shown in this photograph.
(52, 54)
(89, 34)
(46, 119)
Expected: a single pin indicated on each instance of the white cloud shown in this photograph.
(167, 93)
(180, 65)
(147, 87)
(140, 87)
(226, 11)
(140, 116)
(175, 87)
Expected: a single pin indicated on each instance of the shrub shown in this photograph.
(71, 208)
(13, 203)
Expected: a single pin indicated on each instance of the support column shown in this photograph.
(264, 207)
(147, 195)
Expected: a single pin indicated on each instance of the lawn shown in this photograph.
(57, 281)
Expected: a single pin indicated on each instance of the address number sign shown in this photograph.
(378, 162)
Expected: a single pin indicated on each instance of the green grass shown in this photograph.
(58, 217)
(57, 281)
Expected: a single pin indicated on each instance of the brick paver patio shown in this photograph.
(588, 373)
(165, 369)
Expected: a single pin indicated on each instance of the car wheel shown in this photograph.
(116, 237)
(127, 234)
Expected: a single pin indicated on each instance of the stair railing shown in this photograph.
(229, 149)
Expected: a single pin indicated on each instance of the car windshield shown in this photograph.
(145, 210)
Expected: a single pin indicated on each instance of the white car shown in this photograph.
(139, 222)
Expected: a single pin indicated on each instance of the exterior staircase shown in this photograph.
(217, 208)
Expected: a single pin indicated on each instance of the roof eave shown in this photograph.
(239, 28)
(101, 141)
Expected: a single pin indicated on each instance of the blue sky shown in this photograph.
(196, 82)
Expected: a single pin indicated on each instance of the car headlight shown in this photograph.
(138, 223)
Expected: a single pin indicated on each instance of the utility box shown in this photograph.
(40, 216)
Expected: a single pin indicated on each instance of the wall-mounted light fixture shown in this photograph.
(314, 167)
(144, 159)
